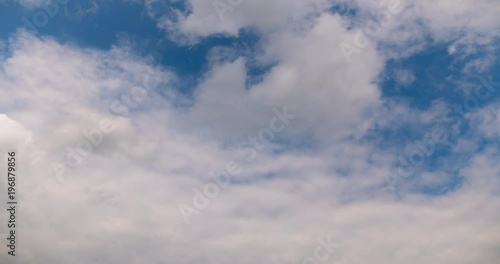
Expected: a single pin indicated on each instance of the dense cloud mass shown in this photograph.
(117, 165)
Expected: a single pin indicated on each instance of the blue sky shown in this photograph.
(258, 102)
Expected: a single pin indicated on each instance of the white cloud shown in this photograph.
(121, 205)
(310, 77)
(266, 16)
(408, 31)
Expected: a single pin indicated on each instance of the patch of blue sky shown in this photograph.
(11, 14)
(390, 137)
(454, 183)
(128, 22)
(436, 75)
(431, 71)
(345, 10)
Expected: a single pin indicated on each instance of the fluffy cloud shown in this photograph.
(443, 20)
(316, 179)
(311, 79)
(121, 204)
(466, 23)
(228, 17)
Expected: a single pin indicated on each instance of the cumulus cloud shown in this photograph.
(311, 79)
(204, 18)
(404, 32)
(121, 204)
